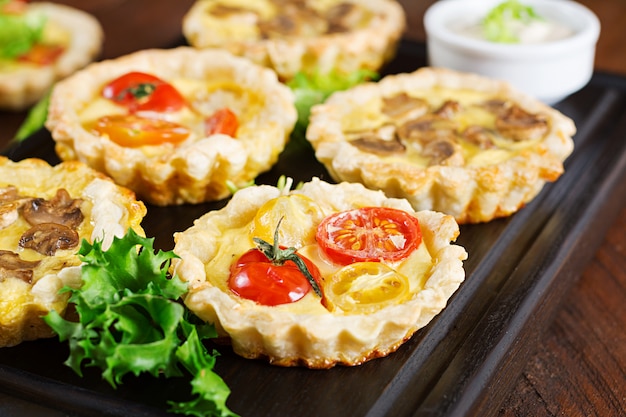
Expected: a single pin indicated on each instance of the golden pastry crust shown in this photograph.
(458, 143)
(22, 85)
(305, 333)
(30, 289)
(199, 168)
(296, 35)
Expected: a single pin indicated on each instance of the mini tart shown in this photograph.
(200, 168)
(305, 333)
(458, 143)
(23, 84)
(29, 280)
(300, 35)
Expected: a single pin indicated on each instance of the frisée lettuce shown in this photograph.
(130, 321)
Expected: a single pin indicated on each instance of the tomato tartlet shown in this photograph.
(175, 126)
(58, 40)
(458, 143)
(293, 36)
(45, 213)
(323, 275)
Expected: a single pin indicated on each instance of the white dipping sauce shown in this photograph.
(535, 31)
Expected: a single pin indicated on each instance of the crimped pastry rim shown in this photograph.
(365, 48)
(313, 340)
(471, 194)
(21, 89)
(184, 173)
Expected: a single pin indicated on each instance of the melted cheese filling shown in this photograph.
(368, 116)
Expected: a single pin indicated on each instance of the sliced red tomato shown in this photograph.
(365, 287)
(42, 54)
(368, 234)
(222, 121)
(256, 278)
(14, 7)
(139, 91)
(133, 131)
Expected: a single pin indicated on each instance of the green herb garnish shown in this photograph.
(497, 24)
(19, 32)
(35, 119)
(130, 321)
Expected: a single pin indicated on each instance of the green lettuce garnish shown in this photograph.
(315, 88)
(35, 119)
(19, 32)
(497, 24)
(130, 321)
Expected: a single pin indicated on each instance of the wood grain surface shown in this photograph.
(579, 367)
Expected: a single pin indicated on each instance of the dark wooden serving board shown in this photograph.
(463, 363)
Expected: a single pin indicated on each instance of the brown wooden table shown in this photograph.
(579, 368)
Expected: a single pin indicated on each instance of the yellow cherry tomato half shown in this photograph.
(366, 287)
(300, 215)
(133, 131)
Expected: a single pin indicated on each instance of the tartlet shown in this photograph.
(45, 212)
(204, 166)
(292, 36)
(459, 143)
(315, 332)
(80, 36)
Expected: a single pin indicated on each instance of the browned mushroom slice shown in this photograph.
(374, 144)
(12, 266)
(448, 109)
(47, 238)
(443, 151)
(9, 206)
(426, 129)
(402, 107)
(343, 17)
(8, 194)
(496, 106)
(518, 124)
(294, 20)
(223, 10)
(479, 136)
(61, 209)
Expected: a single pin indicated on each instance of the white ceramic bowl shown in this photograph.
(549, 71)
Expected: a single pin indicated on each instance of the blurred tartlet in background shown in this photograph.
(546, 48)
(41, 43)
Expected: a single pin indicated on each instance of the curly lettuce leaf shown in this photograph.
(19, 32)
(497, 24)
(130, 321)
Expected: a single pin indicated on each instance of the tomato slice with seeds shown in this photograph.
(222, 121)
(133, 131)
(139, 91)
(368, 234)
(254, 277)
(365, 287)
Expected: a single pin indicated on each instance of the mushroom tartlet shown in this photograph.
(58, 40)
(45, 213)
(175, 126)
(294, 36)
(459, 143)
(323, 275)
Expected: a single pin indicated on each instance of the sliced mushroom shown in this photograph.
(519, 125)
(496, 106)
(61, 209)
(343, 17)
(12, 266)
(443, 152)
(294, 20)
(426, 129)
(479, 136)
(402, 107)
(374, 144)
(223, 10)
(448, 109)
(47, 238)
(8, 194)
(10, 203)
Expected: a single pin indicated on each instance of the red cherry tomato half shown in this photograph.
(133, 131)
(368, 234)
(139, 91)
(41, 54)
(222, 121)
(256, 278)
